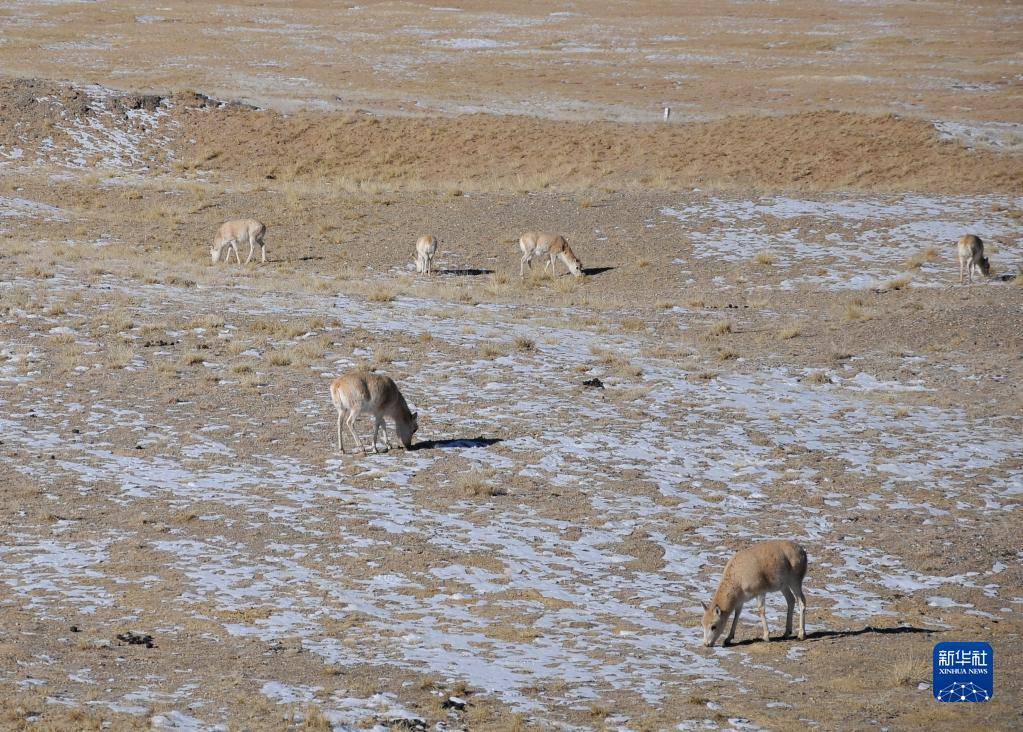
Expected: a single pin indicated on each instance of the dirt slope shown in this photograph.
(813, 151)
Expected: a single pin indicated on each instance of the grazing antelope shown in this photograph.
(971, 257)
(426, 248)
(363, 392)
(769, 566)
(550, 246)
(232, 233)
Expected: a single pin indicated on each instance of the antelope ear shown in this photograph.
(415, 415)
(704, 604)
(717, 612)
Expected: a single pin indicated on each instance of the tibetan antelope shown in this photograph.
(242, 231)
(363, 392)
(551, 246)
(426, 248)
(971, 257)
(769, 566)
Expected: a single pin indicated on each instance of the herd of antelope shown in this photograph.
(765, 567)
(552, 247)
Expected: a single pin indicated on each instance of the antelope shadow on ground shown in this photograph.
(456, 442)
(591, 271)
(821, 634)
(465, 272)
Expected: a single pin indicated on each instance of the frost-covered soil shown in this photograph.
(587, 60)
(847, 242)
(87, 128)
(205, 504)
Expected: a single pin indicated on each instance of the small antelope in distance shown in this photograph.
(533, 245)
(426, 248)
(971, 257)
(363, 392)
(768, 566)
(240, 231)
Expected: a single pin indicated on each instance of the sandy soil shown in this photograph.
(783, 351)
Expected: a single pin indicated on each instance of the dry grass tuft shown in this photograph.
(118, 321)
(765, 258)
(208, 321)
(314, 720)
(630, 394)
(525, 344)
(37, 272)
(930, 254)
(909, 671)
(311, 349)
(617, 362)
(898, 283)
(477, 483)
(384, 355)
(382, 294)
(489, 350)
(119, 356)
(818, 377)
(721, 327)
(280, 358)
(788, 333)
(565, 284)
(192, 359)
(70, 357)
(854, 312)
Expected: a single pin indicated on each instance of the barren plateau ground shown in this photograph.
(771, 310)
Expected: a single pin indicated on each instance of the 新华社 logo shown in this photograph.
(964, 672)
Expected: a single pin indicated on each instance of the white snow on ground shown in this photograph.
(595, 626)
(469, 44)
(23, 208)
(875, 235)
(116, 140)
(107, 137)
(1001, 136)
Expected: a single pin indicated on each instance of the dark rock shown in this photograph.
(136, 639)
(594, 383)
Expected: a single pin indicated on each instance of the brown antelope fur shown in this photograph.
(551, 246)
(426, 248)
(769, 566)
(242, 231)
(364, 392)
(971, 257)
